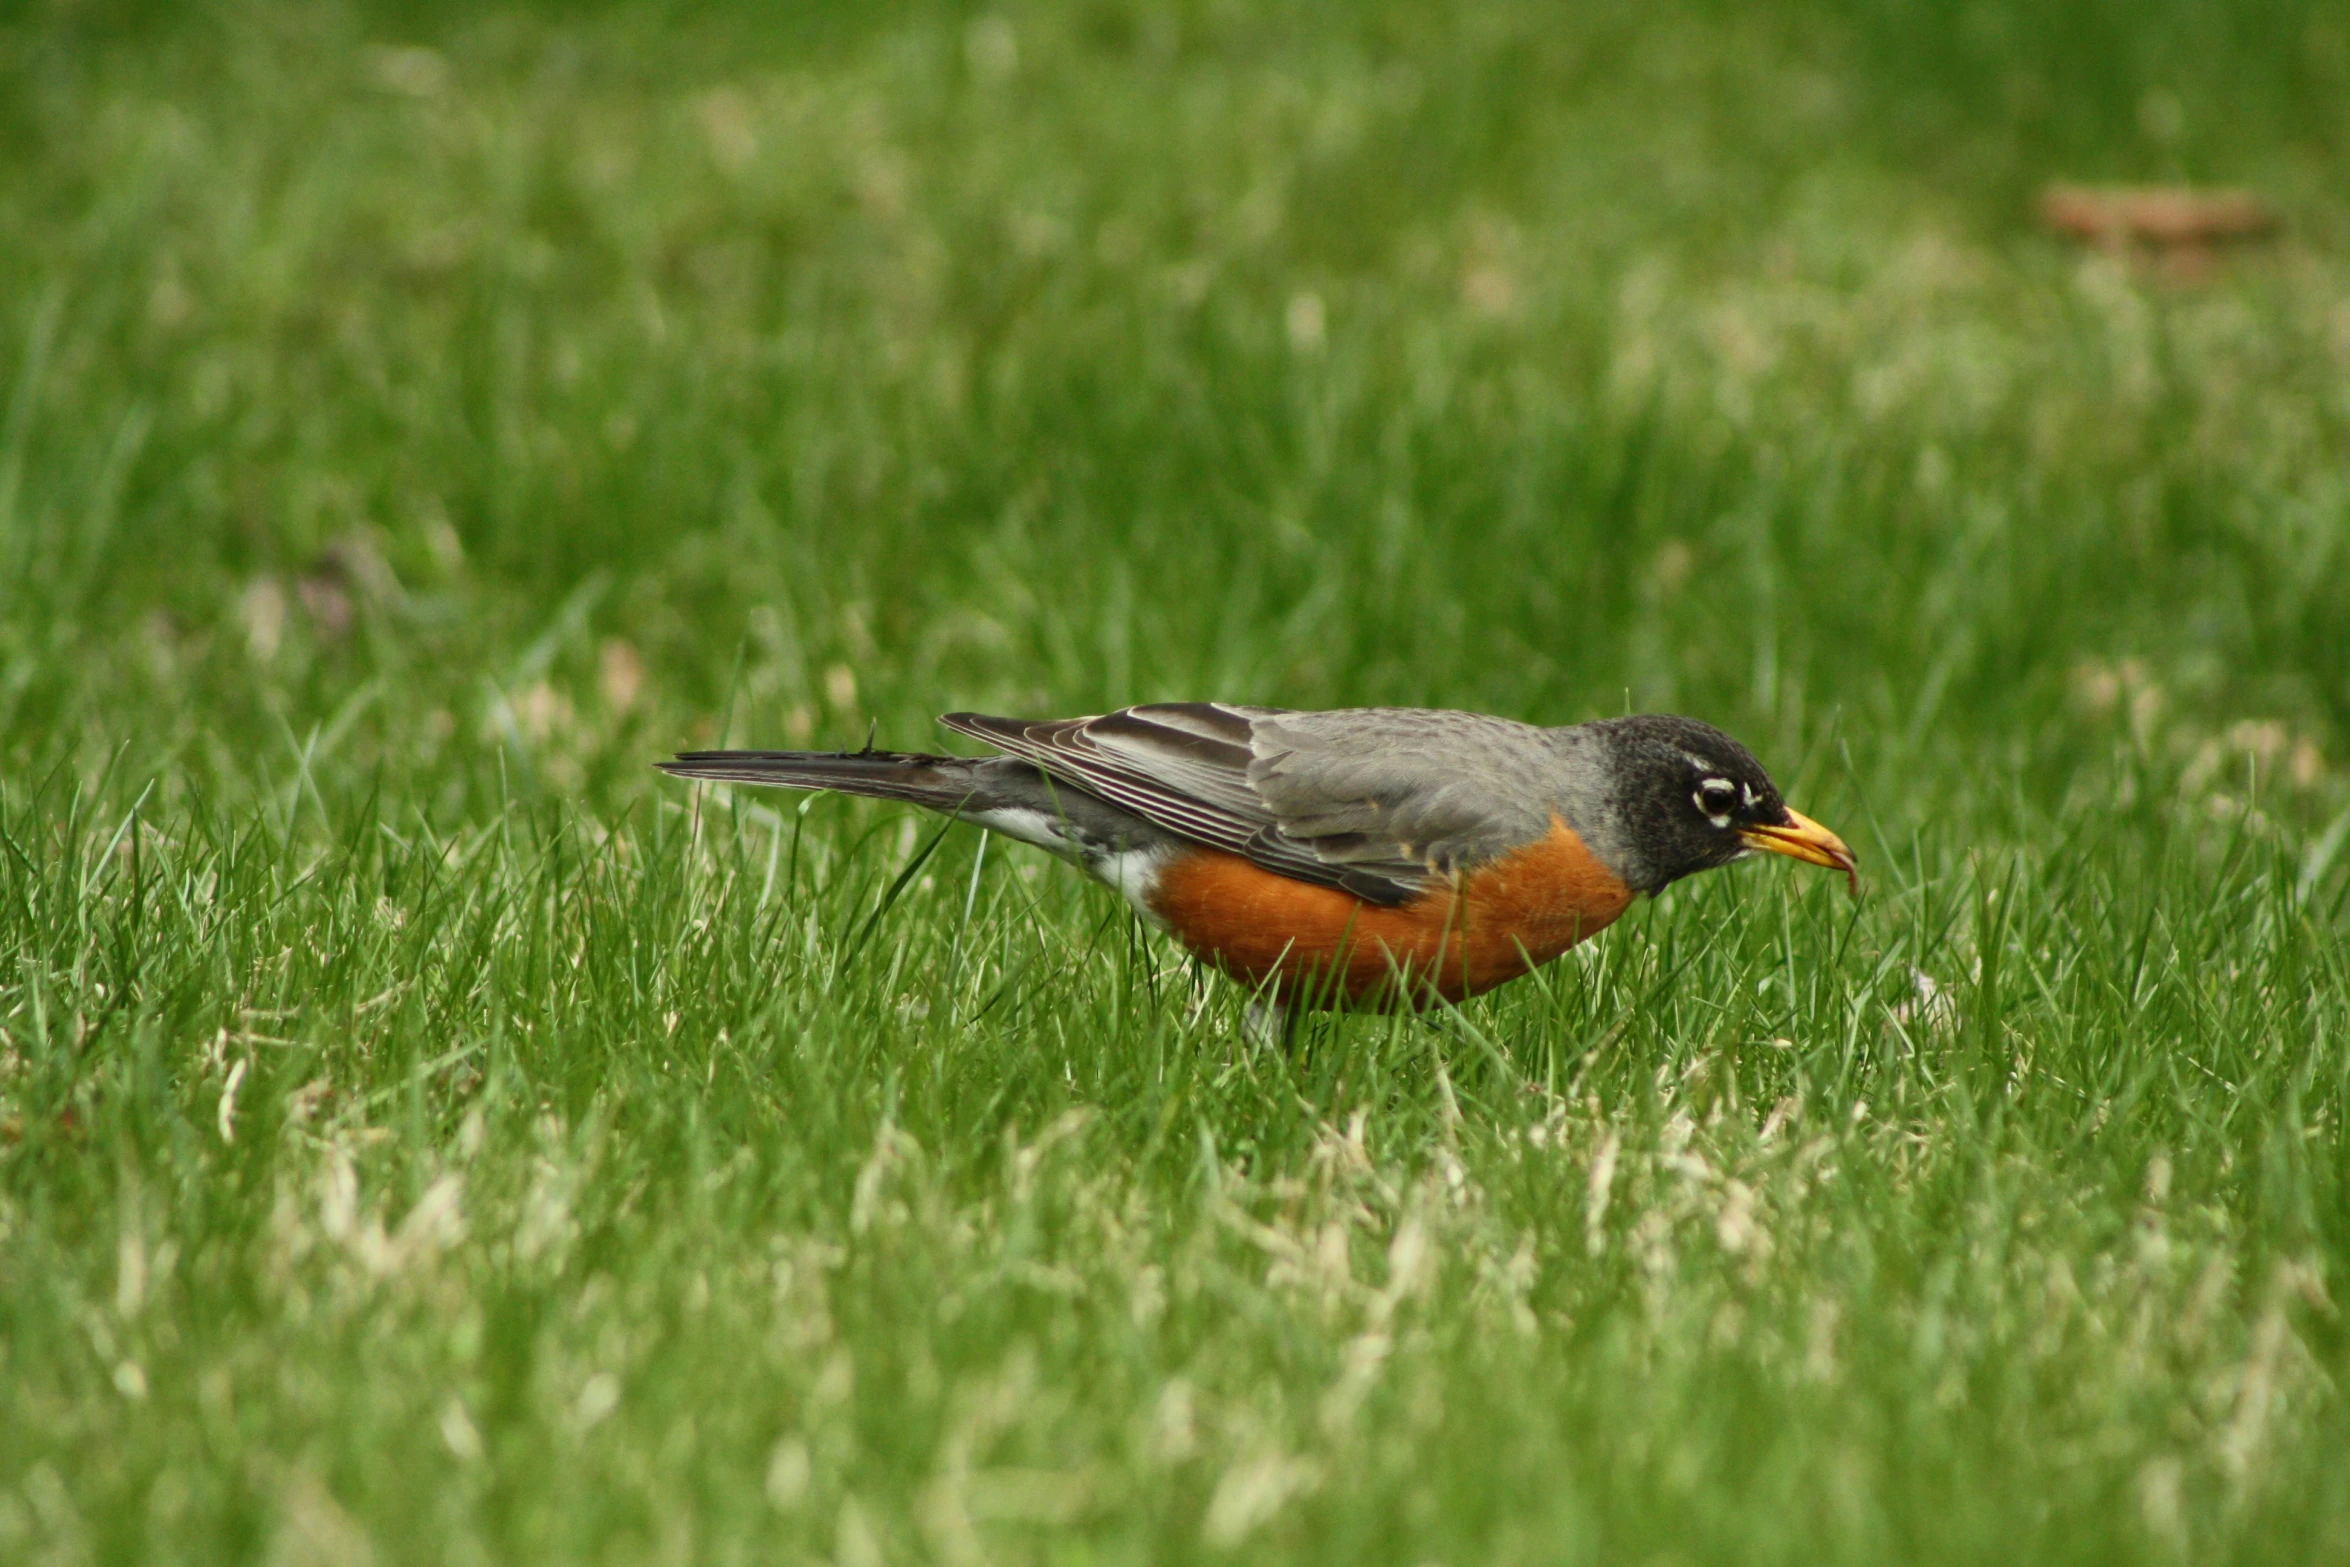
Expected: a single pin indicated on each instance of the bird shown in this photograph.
(1370, 857)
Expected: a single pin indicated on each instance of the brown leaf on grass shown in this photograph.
(2181, 231)
(2117, 216)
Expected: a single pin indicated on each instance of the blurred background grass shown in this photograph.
(418, 418)
(1516, 361)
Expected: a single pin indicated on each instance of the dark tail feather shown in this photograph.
(944, 783)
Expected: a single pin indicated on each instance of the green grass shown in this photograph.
(428, 1136)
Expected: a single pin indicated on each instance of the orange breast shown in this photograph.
(1324, 947)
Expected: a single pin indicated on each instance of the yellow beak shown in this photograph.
(1806, 840)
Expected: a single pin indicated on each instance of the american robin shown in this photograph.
(1365, 855)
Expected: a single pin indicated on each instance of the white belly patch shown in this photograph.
(1134, 873)
(1040, 828)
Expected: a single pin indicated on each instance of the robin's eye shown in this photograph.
(1715, 799)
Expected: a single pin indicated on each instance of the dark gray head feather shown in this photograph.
(1660, 797)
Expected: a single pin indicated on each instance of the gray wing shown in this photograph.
(1382, 802)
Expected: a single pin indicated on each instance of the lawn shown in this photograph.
(427, 1135)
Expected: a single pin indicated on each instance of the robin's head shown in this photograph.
(1684, 797)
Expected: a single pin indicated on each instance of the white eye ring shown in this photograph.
(1712, 800)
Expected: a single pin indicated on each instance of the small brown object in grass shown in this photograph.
(2176, 225)
(2178, 230)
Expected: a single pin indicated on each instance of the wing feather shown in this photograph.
(1382, 802)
